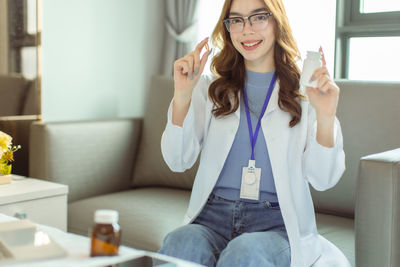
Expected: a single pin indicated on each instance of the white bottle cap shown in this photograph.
(106, 216)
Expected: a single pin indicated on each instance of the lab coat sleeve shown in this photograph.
(180, 146)
(323, 166)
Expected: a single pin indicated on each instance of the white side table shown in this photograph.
(78, 252)
(37, 200)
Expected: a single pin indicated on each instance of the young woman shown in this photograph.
(261, 141)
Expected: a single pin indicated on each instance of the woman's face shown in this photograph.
(256, 46)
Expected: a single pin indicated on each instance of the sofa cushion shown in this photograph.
(146, 215)
(339, 231)
(369, 116)
(150, 168)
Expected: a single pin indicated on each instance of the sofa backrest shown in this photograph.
(369, 113)
(31, 99)
(91, 157)
(66, 152)
(150, 168)
(105, 156)
(13, 90)
(18, 95)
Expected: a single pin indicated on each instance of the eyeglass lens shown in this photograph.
(257, 21)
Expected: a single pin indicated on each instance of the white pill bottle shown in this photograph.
(311, 63)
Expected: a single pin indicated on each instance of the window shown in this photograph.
(367, 40)
(370, 55)
(374, 6)
(28, 62)
(22, 37)
(31, 17)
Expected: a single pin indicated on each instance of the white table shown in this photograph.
(37, 200)
(78, 249)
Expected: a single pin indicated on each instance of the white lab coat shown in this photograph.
(297, 160)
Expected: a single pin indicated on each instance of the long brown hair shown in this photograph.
(228, 65)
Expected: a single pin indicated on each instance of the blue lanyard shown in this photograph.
(253, 138)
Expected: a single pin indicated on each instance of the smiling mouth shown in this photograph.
(251, 45)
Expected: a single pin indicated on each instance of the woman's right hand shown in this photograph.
(187, 71)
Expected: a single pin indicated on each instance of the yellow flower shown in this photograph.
(6, 153)
(8, 156)
(5, 140)
(5, 169)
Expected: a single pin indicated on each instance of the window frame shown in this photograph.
(378, 17)
(19, 37)
(350, 22)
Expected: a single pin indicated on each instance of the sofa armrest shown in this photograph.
(91, 157)
(377, 215)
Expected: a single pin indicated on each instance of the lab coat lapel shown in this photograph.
(273, 101)
(275, 125)
(276, 133)
(225, 128)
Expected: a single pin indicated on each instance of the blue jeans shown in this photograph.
(232, 234)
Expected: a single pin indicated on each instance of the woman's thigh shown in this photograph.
(194, 242)
(270, 248)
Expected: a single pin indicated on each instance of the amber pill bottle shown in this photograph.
(105, 234)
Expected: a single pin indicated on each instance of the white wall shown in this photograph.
(98, 57)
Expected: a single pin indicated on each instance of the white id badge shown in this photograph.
(250, 187)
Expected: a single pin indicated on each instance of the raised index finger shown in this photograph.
(322, 56)
(200, 46)
(197, 51)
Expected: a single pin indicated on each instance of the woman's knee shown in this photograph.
(186, 235)
(190, 242)
(256, 249)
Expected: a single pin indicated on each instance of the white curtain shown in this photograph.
(181, 31)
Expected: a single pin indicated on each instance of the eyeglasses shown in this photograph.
(257, 22)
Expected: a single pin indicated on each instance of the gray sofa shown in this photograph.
(117, 164)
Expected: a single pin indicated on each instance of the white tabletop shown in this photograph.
(22, 188)
(78, 249)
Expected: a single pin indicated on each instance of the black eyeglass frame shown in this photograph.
(226, 21)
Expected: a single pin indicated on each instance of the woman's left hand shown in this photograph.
(325, 97)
